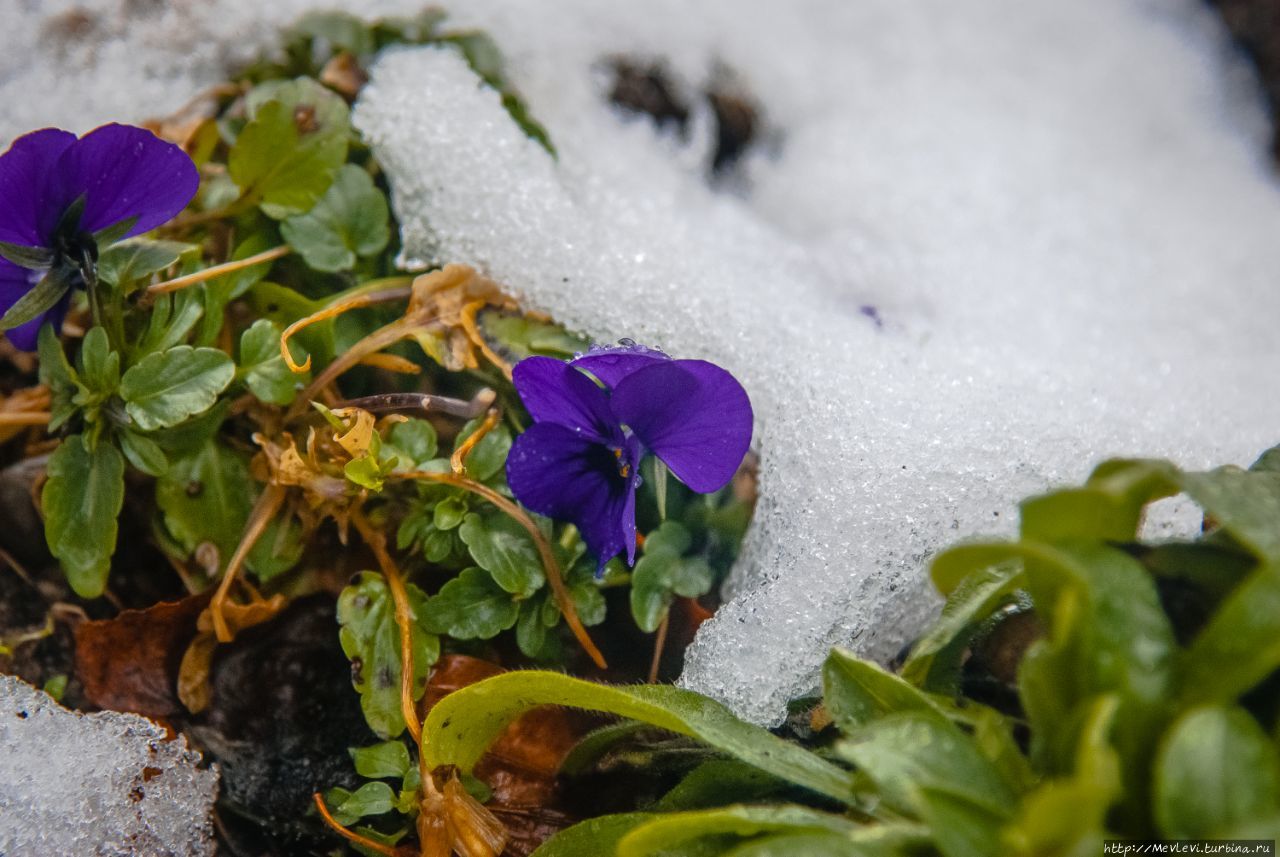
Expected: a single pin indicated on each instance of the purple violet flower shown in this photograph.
(579, 461)
(62, 199)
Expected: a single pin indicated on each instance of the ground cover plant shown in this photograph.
(261, 434)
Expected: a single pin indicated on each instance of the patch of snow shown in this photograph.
(106, 784)
(1062, 212)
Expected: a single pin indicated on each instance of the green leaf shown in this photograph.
(143, 452)
(502, 547)
(369, 799)
(449, 513)
(348, 222)
(466, 722)
(206, 496)
(470, 607)
(388, 759)
(370, 638)
(531, 631)
(285, 158)
(489, 457)
(832, 845)
(32, 258)
(522, 336)
(56, 374)
(132, 260)
(934, 662)
(263, 368)
(341, 31)
(672, 831)
(82, 499)
(907, 752)
(165, 389)
(1241, 644)
(857, 692)
(658, 578)
(1216, 770)
(365, 472)
(961, 827)
(42, 297)
(99, 365)
(413, 442)
(717, 782)
(592, 838)
(1244, 503)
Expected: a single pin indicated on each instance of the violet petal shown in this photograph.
(556, 472)
(555, 392)
(125, 172)
(613, 364)
(693, 415)
(25, 195)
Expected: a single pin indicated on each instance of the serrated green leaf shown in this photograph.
(470, 607)
(206, 496)
(286, 156)
(1216, 770)
(388, 759)
(99, 365)
(465, 723)
(166, 388)
(263, 368)
(132, 260)
(82, 499)
(370, 637)
(349, 221)
(502, 547)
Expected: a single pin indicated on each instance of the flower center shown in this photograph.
(624, 466)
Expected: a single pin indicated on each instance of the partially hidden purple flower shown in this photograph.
(579, 461)
(63, 198)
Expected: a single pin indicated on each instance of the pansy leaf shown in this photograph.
(858, 692)
(165, 388)
(263, 368)
(501, 547)
(286, 156)
(99, 365)
(471, 606)
(413, 442)
(56, 374)
(370, 799)
(81, 499)
(370, 637)
(388, 759)
(143, 452)
(348, 222)
(487, 457)
(42, 297)
(130, 261)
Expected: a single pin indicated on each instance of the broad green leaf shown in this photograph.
(369, 799)
(165, 389)
(471, 606)
(370, 638)
(465, 723)
(1243, 503)
(132, 260)
(82, 499)
(794, 844)
(501, 547)
(857, 692)
(1216, 770)
(286, 156)
(488, 458)
(143, 452)
(908, 752)
(595, 837)
(56, 374)
(1108, 508)
(388, 759)
(1241, 644)
(173, 316)
(934, 662)
(413, 442)
(663, 573)
(522, 336)
(348, 222)
(206, 496)
(264, 369)
(961, 826)
(449, 514)
(672, 831)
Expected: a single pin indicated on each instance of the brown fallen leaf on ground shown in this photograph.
(522, 765)
(130, 662)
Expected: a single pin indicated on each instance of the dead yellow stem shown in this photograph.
(458, 461)
(24, 418)
(351, 836)
(268, 504)
(659, 643)
(217, 271)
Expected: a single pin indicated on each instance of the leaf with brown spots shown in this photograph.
(130, 662)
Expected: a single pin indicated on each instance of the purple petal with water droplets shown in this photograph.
(126, 172)
(613, 364)
(556, 472)
(26, 197)
(692, 414)
(555, 392)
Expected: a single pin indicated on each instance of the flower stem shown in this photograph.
(218, 270)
